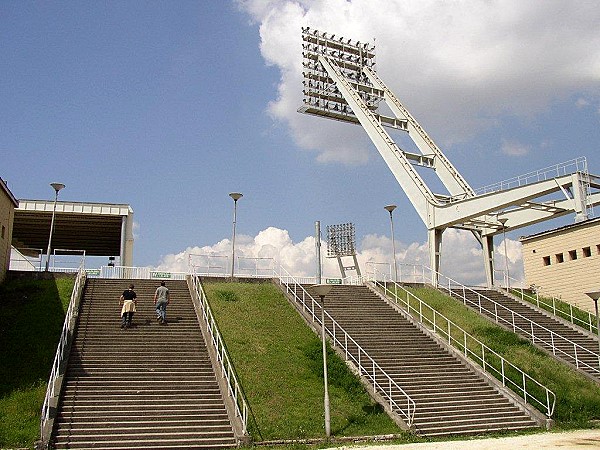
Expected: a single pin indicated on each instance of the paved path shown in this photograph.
(572, 440)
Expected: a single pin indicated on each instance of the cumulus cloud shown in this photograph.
(456, 65)
(273, 248)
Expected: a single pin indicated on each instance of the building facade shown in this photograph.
(8, 203)
(565, 262)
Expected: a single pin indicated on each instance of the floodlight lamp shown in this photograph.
(57, 186)
(390, 208)
(235, 196)
(503, 221)
(595, 295)
(322, 289)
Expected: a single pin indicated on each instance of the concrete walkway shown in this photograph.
(572, 440)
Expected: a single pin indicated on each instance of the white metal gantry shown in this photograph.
(340, 83)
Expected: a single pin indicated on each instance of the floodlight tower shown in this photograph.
(340, 83)
(341, 241)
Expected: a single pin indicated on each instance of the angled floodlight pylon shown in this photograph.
(340, 83)
(341, 242)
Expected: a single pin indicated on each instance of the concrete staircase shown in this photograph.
(542, 324)
(149, 386)
(451, 397)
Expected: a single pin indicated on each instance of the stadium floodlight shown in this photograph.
(57, 187)
(341, 241)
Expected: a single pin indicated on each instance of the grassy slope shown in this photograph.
(279, 362)
(577, 398)
(31, 320)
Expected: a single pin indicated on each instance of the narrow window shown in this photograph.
(598, 249)
(3, 231)
(572, 255)
(559, 258)
(546, 260)
(587, 252)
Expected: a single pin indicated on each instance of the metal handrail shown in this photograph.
(63, 345)
(366, 365)
(234, 389)
(554, 307)
(455, 288)
(442, 325)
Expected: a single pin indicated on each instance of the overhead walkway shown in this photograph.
(149, 386)
(444, 394)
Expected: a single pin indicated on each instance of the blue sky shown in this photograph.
(169, 106)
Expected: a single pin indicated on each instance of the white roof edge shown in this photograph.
(108, 209)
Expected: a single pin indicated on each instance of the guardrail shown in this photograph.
(145, 273)
(234, 389)
(366, 365)
(471, 347)
(538, 334)
(558, 307)
(63, 346)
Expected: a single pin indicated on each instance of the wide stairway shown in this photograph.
(451, 398)
(148, 386)
(548, 331)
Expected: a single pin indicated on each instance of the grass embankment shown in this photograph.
(577, 397)
(31, 319)
(279, 363)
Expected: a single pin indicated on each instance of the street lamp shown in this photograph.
(235, 196)
(322, 290)
(390, 209)
(503, 221)
(595, 296)
(57, 187)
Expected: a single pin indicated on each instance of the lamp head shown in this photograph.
(322, 289)
(390, 208)
(57, 186)
(595, 295)
(235, 196)
(503, 220)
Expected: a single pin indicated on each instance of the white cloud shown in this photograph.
(513, 148)
(456, 65)
(462, 260)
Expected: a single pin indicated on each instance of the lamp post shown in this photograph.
(235, 196)
(503, 221)
(390, 209)
(322, 290)
(595, 296)
(57, 187)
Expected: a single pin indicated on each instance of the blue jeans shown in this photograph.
(161, 311)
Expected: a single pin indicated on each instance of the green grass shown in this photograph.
(279, 363)
(31, 320)
(577, 397)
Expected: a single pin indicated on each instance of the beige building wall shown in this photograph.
(7, 215)
(565, 262)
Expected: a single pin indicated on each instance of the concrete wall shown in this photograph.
(7, 215)
(565, 262)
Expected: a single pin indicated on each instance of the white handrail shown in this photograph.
(457, 289)
(63, 345)
(235, 391)
(367, 366)
(440, 324)
(554, 307)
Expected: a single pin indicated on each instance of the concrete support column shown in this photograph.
(487, 244)
(435, 250)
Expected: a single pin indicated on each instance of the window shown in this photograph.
(572, 255)
(546, 260)
(3, 231)
(598, 249)
(587, 252)
(559, 257)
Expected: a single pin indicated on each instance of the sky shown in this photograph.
(169, 106)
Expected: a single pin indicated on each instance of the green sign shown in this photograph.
(160, 274)
(92, 271)
(333, 281)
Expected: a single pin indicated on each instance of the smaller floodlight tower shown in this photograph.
(340, 83)
(341, 242)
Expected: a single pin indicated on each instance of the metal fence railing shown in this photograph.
(382, 383)
(227, 369)
(511, 376)
(518, 323)
(63, 345)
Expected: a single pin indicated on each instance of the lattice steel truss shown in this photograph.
(341, 241)
(340, 83)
